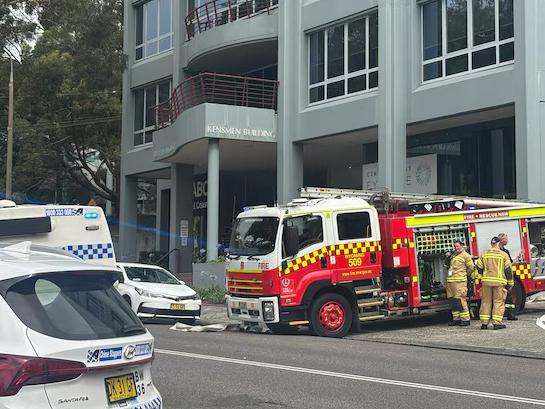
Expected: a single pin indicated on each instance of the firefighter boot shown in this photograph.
(464, 324)
(454, 323)
(484, 326)
(499, 326)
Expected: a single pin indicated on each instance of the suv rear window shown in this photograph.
(73, 306)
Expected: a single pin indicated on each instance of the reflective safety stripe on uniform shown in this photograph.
(499, 278)
(492, 304)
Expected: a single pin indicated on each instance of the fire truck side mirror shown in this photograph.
(291, 240)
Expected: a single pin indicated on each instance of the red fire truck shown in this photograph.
(335, 258)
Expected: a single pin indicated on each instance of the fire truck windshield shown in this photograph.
(253, 236)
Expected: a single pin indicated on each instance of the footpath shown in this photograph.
(523, 338)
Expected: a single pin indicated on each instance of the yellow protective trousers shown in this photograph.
(459, 291)
(492, 304)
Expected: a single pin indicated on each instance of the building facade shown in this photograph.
(231, 103)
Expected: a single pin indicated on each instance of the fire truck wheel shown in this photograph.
(282, 329)
(331, 316)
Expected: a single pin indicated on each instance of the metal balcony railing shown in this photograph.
(219, 12)
(217, 89)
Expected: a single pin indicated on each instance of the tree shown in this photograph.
(70, 90)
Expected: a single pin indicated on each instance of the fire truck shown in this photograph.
(335, 258)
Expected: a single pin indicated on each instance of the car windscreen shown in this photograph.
(253, 236)
(73, 306)
(150, 275)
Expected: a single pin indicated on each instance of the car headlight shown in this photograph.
(147, 294)
(268, 310)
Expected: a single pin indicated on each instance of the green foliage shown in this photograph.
(213, 295)
(68, 99)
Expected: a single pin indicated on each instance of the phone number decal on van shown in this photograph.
(64, 211)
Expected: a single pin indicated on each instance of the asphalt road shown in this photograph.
(263, 371)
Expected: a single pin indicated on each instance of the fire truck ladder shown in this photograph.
(413, 199)
(369, 300)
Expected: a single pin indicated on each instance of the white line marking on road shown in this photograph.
(540, 322)
(361, 378)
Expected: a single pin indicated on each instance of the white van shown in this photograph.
(80, 230)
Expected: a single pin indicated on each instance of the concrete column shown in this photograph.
(213, 200)
(289, 155)
(162, 215)
(394, 60)
(181, 210)
(128, 220)
(530, 98)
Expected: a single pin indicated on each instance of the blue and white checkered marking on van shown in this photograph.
(92, 251)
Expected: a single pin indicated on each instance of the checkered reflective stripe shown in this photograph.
(523, 271)
(92, 356)
(337, 250)
(92, 251)
(401, 243)
(154, 404)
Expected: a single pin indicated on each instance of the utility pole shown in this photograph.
(9, 162)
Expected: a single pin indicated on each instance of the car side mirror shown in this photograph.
(291, 240)
(120, 278)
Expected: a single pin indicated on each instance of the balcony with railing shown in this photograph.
(217, 13)
(216, 89)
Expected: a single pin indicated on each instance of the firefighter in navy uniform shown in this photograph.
(509, 305)
(461, 266)
(496, 279)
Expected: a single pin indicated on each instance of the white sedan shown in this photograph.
(152, 291)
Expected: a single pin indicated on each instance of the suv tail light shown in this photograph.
(18, 371)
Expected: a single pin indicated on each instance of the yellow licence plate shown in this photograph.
(120, 388)
(178, 307)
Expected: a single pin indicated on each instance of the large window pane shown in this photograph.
(138, 109)
(456, 25)
(373, 40)
(484, 58)
(335, 51)
(151, 19)
(316, 57)
(164, 92)
(150, 102)
(139, 25)
(373, 79)
(483, 21)
(431, 25)
(356, 45)
(506, 19)
(165, 17)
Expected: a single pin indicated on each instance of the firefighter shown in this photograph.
(461, 266)
(497, 277)
(509, 305)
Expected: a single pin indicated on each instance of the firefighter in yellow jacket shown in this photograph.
(461, 266)
(497, 277)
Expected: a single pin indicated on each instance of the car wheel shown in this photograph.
(331, 316)
(282, 329)
(128, 300)
(518, 296)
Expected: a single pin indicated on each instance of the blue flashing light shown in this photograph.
(471, 208)
(92, 215)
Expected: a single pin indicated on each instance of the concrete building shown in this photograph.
(257, 98)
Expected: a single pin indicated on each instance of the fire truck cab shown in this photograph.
(335, 258)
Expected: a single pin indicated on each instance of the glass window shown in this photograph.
(343, 59)
(153, 28)
(144, 101)
(309, 229)
(335, 52)
(351, 226)
(432, 35)
(317, 57)
(456, 25)
(90, 307)
(150, 275)
(483, 21)
(356, 46)
(475, 32)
